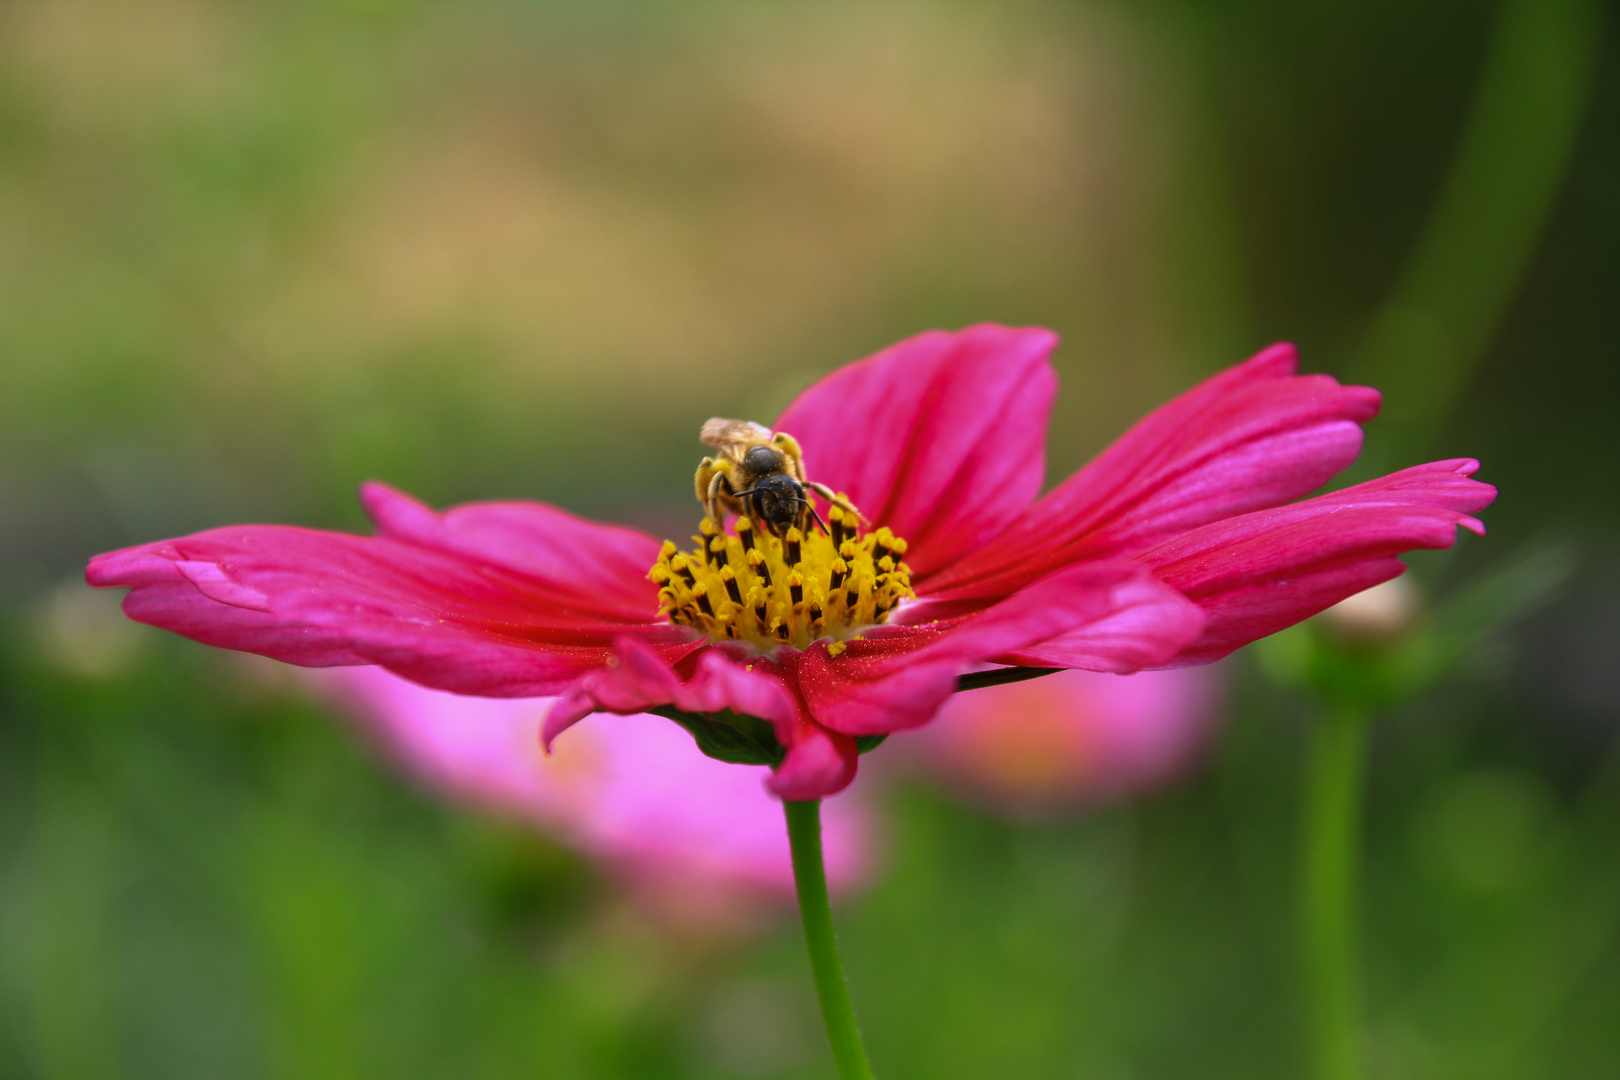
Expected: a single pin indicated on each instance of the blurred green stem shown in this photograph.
(804, 835)
(1331, 836)
(1479, 238)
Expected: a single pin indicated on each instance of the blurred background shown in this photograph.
(254, 253)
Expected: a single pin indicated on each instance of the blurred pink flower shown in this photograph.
(1179, 544)
(693, 836)
(1076, 737)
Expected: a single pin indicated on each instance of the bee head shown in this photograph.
(778, 500)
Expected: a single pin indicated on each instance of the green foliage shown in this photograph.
(200, 876)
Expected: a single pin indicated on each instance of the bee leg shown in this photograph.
(718, 497)
(705, 473)
(710, 475)
(837, 500)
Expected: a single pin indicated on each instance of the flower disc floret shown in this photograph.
(789, 590)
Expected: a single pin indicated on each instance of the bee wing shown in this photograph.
(734, 438)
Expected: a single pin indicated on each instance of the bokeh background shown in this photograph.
(254, 253)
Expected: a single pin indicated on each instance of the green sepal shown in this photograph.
(728, 736)
(865, 744)
(977, 680)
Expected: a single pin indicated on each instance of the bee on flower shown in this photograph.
(763, 471)
(799, 630)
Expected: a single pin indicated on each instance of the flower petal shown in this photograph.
(1252, 437)
(1147, 617)
(818, 763)
(635, 793)
(637, 678)
(1034, 747)
(1256, 574)
(897, 678)
(320, 598)
(941, 437)
(586, 565)
(162, 594)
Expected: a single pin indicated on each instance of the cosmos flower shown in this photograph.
(698, 838)
(1038, 747)
(1179, 544)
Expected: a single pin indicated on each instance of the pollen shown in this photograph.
(801, 587)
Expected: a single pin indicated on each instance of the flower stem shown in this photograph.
(1331, 836)
(804, 836)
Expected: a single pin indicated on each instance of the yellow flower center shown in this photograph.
(788, 590)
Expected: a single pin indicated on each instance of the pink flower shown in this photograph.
(1078, 736)
(676, 826)
(1176, 546)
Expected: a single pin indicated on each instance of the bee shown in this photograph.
(760, 473)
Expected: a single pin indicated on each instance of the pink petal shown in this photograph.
(1252, 437)
(585, 565)
(634, 793)
(1131, 637)
(162, 595)
(319, 599)
(1077, 736)
(819, 763)
(637, 678)
(1256, 574)
(941, 437)
(898, 678)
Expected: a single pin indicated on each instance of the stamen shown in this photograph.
(727, 576)
(840, 569)
(884, 544)
(796, 588)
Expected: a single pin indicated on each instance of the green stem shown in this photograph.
(1488, 217)
(1331, 836)
(804, 836)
